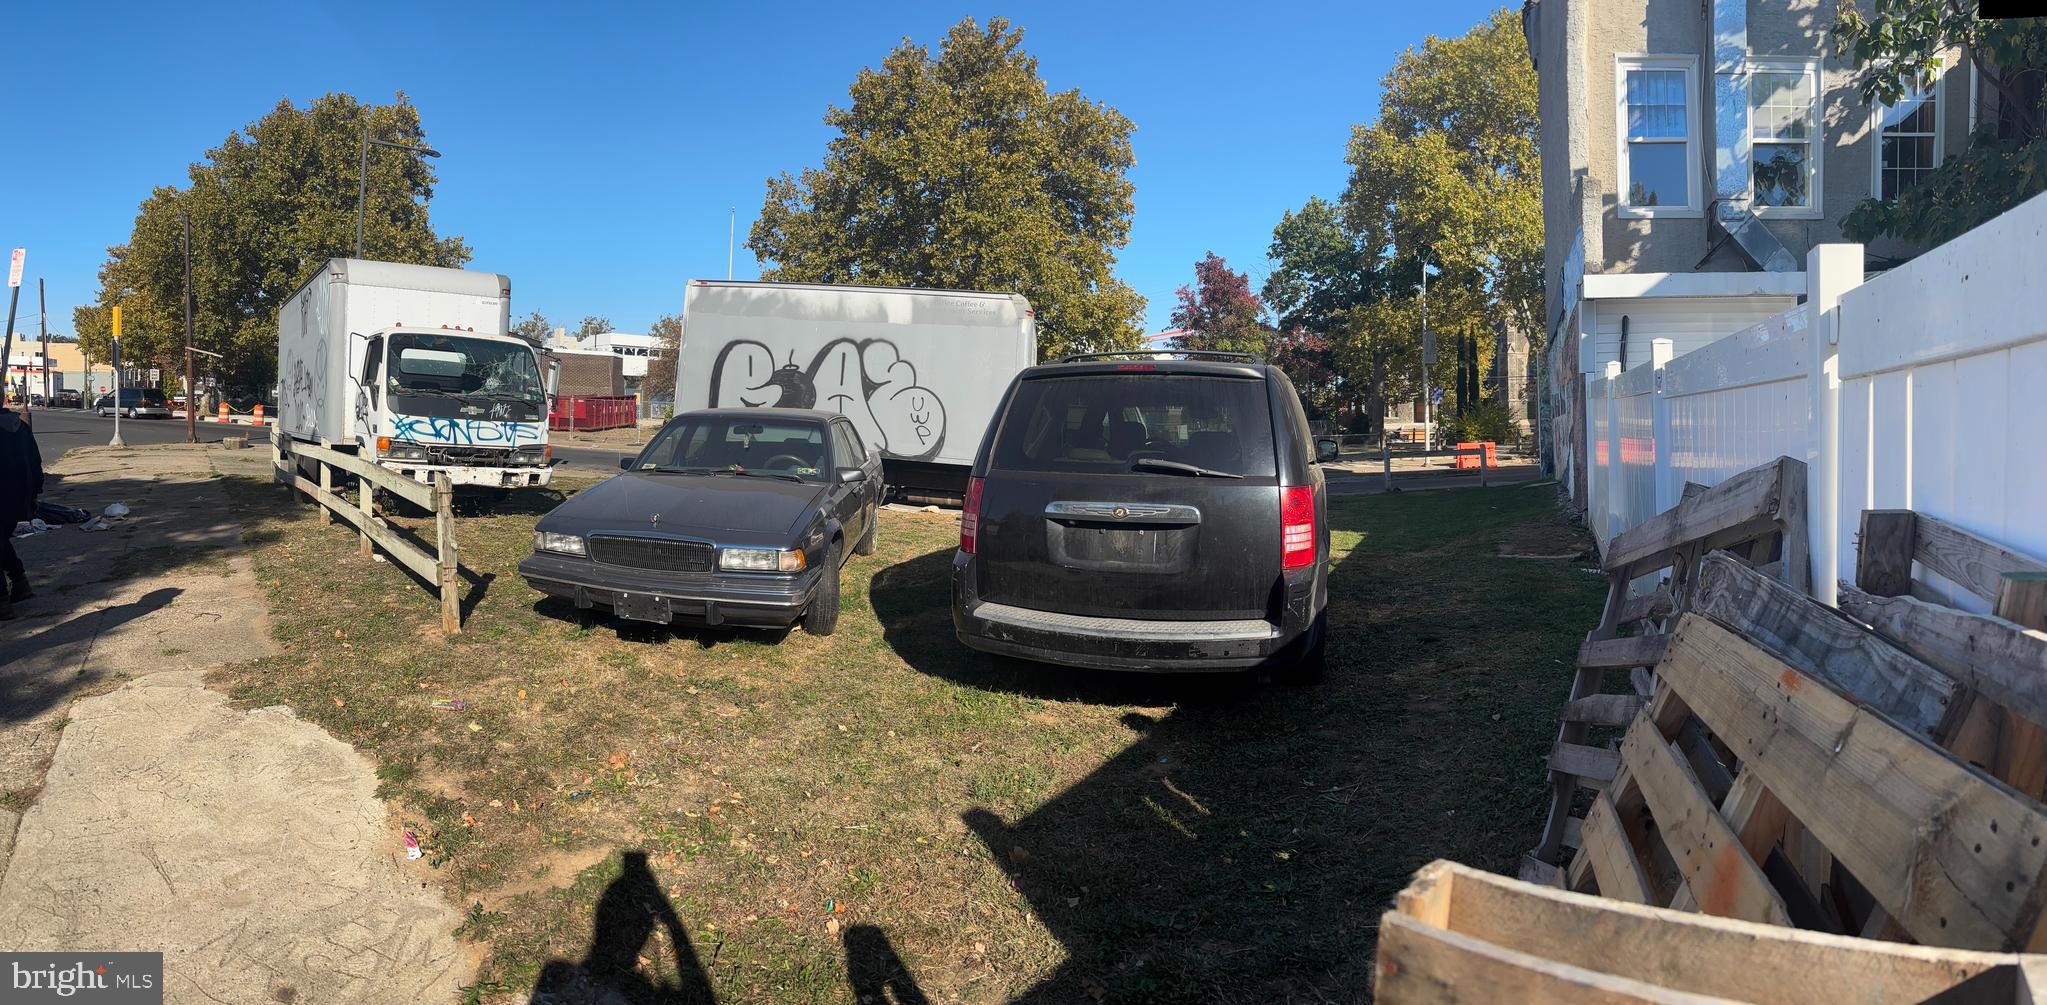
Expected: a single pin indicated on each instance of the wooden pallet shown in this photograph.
(1456, 934)
(1950, 855)
(1759, 516)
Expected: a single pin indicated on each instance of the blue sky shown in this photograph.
(591, 151)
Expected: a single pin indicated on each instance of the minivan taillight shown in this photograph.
(970, 515)
(1297, 526)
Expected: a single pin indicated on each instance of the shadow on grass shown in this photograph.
(631, 911)
(1243, 846)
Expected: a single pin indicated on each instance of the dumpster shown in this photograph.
(584, 413)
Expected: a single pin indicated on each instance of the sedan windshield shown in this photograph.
(739, 445)
(457, 365)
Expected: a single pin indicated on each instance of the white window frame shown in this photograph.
(1876, 132)
(1694, 159)
(1815, 140)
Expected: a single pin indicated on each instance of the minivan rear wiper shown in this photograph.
(1162, 464)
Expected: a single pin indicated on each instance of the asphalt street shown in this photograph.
(60, 429)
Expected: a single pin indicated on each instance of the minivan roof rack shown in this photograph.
(1224, 357)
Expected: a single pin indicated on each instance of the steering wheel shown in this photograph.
(794, 461)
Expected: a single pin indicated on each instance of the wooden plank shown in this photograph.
(1956, 857)
(1822, 642)
(407, 553)
(448, 572)
(1709, 855)
(366, 505)
(384, 478)
(1704, 761)
(1574, 833)
(1758, 821)
(1976, 564)
(1796, 554)
(1604, 709)
(1588, 764)
(326, 489)
(1535, 870)
(1883, 552)
(1622, 654)
(2021, 758)
(1564, 788)
(1997, 659)
(1419, 964)
(1654, 605)
(1747, 499)
(1694, 953)
(1610, 856)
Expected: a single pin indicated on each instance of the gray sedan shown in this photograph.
(736, 516)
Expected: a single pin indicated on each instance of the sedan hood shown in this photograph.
(717, 507)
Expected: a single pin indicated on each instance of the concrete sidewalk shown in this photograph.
(247, 846)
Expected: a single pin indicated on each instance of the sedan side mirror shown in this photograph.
(625, 464)
(851, 475)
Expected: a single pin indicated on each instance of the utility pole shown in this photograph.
(43, 313)
(1428, 353)
(191, 388)
(117, 441)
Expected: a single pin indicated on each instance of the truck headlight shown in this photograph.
(759, 560)
(566, 544)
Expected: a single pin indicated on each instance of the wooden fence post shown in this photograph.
(326, 489)
(366, 504)
(444, 538)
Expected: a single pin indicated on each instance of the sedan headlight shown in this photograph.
(759, 560)
(566, 544)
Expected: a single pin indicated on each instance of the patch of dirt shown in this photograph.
(1546, 540)
(546, 870)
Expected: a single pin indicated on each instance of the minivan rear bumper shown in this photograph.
(1126, 643)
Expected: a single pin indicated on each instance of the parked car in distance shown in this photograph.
(729, 516)
(135, 403)
(69, 399)
(1147, 513)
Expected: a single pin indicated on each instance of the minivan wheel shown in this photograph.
(1309, 669)
(822, 616)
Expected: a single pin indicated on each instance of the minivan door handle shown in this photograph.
(1133, 513)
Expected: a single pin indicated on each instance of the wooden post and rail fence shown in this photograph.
(439, 567)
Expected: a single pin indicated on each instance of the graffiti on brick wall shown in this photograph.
(868, 382)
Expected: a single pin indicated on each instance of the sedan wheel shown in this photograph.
(822, 617)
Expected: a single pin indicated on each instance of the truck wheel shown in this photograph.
(822, 617)
(866, 545)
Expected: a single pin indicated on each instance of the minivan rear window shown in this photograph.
(1101, 423)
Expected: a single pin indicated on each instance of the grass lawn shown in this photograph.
(796, 819)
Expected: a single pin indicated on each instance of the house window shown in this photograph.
(1659, 154)
(1784, 136)
(1907, 141)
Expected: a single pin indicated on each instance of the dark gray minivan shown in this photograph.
(1131, 512)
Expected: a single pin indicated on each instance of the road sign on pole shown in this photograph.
(14, 267)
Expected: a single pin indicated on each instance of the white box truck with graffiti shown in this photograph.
(918, 371)
(415, 368)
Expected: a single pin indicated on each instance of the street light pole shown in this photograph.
(362, 178)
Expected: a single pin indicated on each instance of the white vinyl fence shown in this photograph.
(1931, 395)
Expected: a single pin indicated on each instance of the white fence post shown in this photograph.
(1612, 446)
(1661, 352)
(1830, 270)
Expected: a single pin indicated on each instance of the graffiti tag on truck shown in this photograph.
(868, 382)
(490, 432)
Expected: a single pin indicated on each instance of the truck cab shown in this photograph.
(450, 399)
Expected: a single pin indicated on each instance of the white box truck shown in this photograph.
(415, 368)
(918, 371)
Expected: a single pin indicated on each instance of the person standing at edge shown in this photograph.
(21, 481)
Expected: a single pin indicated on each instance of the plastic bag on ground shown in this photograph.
(114, 511)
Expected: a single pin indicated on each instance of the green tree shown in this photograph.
(1321, 274)
(1449, 176)
(1902, 43)
(667, 334)
(269, 206)
(966, 172)
(535, 328)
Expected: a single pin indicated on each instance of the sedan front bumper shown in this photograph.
(710, 598)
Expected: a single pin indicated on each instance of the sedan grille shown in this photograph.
(657, 554)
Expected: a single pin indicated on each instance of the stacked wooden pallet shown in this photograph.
(1871, 773)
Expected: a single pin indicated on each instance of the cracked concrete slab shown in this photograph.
(249, 847)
